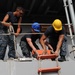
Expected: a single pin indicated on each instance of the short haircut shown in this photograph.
(20, 8)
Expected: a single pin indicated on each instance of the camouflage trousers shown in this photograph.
(4, 41)
(63, 49)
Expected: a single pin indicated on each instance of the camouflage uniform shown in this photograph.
(11, 52)
(4, 41)
(63, 50)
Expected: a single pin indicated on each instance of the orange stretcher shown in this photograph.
(41, 51)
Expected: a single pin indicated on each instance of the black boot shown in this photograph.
(62, 58)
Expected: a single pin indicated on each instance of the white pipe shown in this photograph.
(19, 34)
(71, 9)
(68, 20)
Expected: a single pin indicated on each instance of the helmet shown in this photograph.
(57, 25)
(36, 26)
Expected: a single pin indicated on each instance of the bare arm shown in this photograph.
(43, 43)
(4, 22)
(19, 27)
(48, 45)
(31, 45)
(61, 37)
